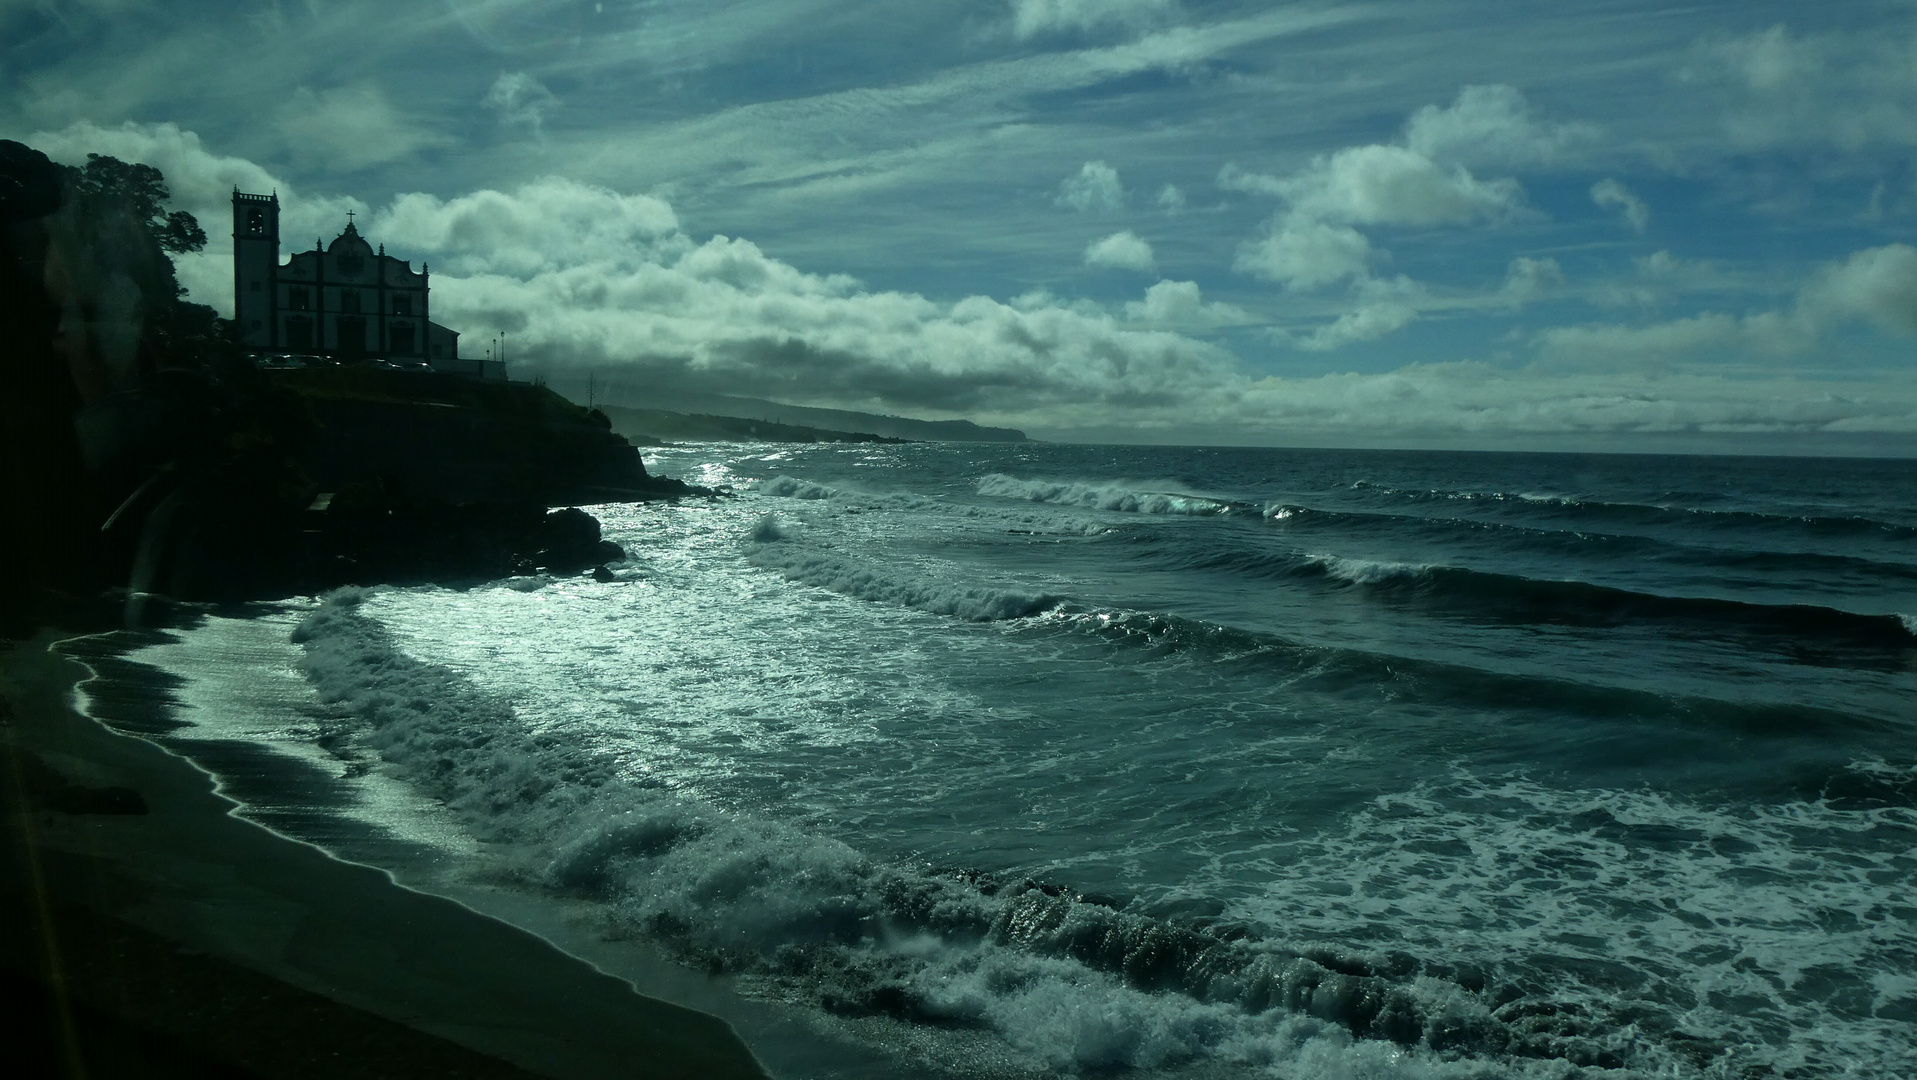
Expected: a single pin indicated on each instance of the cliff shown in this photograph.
(844, 420)
(461, 440)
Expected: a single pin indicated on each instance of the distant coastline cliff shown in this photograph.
(835, 420)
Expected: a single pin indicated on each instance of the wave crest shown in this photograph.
(1110, 496)
(829, 570)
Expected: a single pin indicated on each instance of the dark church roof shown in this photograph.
(350, 242)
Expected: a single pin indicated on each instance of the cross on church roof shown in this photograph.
(349, 217)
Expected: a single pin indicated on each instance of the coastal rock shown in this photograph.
(602, 575)
(569, 539)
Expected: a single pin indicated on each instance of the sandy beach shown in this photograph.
(151, 932)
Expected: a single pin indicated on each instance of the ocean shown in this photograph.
(1024, 759)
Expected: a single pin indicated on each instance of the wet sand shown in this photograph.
(184, 940)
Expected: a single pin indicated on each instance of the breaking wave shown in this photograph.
(828, 569)
(1075, 982)
(1111, 496)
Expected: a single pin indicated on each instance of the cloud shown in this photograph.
(1315, 242)
(584, 276)
(1491, 125)
(521, 101)
(1180, 304)
(1851, 90)
(1120, 251)
(1697, 337)
(1609, 194)
(1096, 187)
(1365, 323)
(1876, 286)
(590, 278)
(1301, 253)
(1170, 199)
(201, 183)
(1527, 279)
(1451, 399)
(1385, 306)
(1658, 276)
(346, 128)
(1384, 184)
(1768, 61)
(544, 225)
(1033, 18)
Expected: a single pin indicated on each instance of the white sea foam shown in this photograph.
(1366, 571)
(1109, 496)
(751, 891)
(787, 487)
(1769, 926)
(780, 486)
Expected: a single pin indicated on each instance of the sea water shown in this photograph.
(1222, 762)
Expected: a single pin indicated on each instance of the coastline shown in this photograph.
(188, 929)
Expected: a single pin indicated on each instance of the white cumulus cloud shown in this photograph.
(1491, 125)
(544, 225)
(1120, 251)
(1182, 305)
(1094, 187)
(1876, 285)
(1301, 253)
(1382, 184)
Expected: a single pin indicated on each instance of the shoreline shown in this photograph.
(189, 930)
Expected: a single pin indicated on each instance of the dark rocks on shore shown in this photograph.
(376, 533)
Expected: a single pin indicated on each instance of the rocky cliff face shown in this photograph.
(435, 438)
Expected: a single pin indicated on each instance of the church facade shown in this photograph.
(345, 301)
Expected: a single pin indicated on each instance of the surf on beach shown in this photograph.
(981, 761)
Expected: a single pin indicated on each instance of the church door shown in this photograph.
(403, 340)
(352, 337)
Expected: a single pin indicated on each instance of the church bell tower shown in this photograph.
(256, 259)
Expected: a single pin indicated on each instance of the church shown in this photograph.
(345, 301)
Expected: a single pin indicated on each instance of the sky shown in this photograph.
(1617, 225)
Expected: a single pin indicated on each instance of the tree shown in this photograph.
(144, 189)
